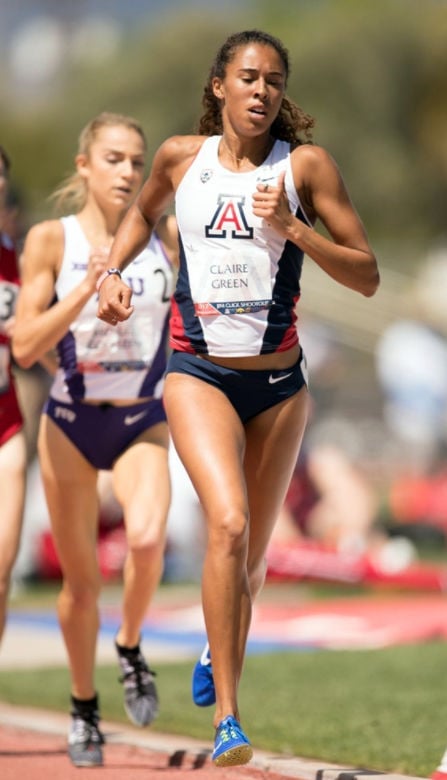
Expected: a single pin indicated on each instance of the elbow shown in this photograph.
(21, 357)
(24, 362)
(371, 285)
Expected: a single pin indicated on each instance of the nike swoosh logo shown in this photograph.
(274, 379)
(130, 419)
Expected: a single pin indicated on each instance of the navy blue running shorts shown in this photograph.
(102, 432)
(250, 392)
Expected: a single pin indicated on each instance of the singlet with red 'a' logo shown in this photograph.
(239, 280)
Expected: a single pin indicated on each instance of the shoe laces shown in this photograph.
(228, 730)
(136, 672)
(86, 727)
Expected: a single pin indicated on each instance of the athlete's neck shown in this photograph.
(250, 158)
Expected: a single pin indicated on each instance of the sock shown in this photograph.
(126, 651)
(84, 706)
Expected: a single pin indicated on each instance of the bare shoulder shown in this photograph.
(312, 157)
(174, 157)
(44, 245)
(185, 142)
(177, 147)
(315, 170)
(50, 232)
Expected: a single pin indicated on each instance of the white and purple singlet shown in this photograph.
(100, 362)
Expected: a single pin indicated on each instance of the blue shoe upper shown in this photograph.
(203, 691)
(229, 736)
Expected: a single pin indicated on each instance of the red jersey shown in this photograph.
(10, 416)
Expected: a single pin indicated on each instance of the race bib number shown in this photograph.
(129, 347)
(235, 284)
(8, 298)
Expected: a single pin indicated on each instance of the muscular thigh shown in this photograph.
(273, 440)
(12, 492)
(141, 479)
(13, 456)
(209, 438)
(70, 489)
(60, 460)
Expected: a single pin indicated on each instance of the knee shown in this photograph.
(229, 533)
(81, 595)
(146, 541)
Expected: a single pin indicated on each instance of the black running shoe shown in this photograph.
(140, 693)
(85, 740)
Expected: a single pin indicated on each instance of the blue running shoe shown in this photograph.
(231, 746)
(203, 691)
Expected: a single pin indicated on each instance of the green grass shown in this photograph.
(380, 709)
(383, 710)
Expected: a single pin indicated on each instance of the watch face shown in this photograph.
(105, 274)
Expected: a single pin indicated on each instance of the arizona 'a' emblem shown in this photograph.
(229, 220)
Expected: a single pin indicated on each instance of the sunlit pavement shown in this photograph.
(33, 746)
(33, 742)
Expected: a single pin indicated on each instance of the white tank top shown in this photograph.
(239, 279)
(97, 361)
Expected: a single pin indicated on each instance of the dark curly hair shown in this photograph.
(291, 120)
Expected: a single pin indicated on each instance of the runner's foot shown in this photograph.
(231, 746)
(140, 693)
(85, 740)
